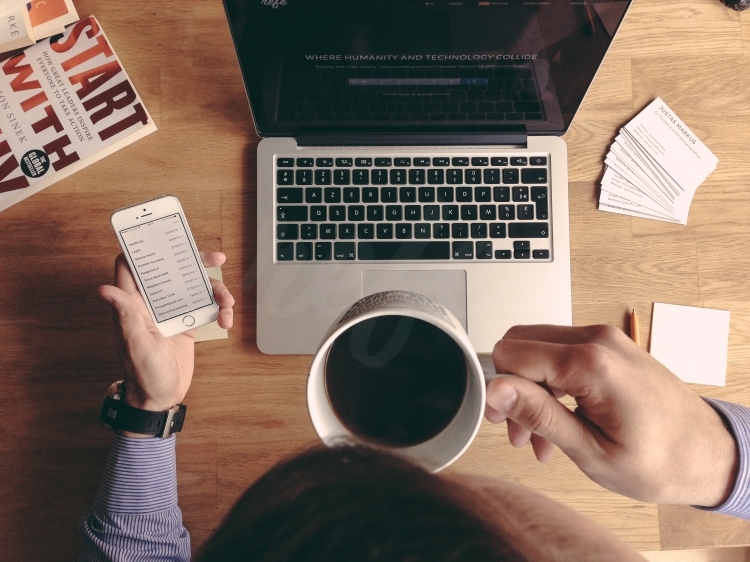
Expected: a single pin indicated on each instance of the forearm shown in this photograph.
(738, 419)
(135, 512)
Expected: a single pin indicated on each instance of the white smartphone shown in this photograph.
(157, 242)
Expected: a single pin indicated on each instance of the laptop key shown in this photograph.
(356, 213)
(394, 251)
(365, 231)
(388, 194)
(421, 230)
(363, 162)
(285, 213)
(450, 212)
(287, 231)
(384, 230)
(445, 194)
(344, 162)
(518, 161)
(346, 231)
(454, 176)
(501, 193)
(393, 212)
(463, 250)
(534, 175)
(441, 161)
(413, 213)
(398, 176)
(351, 195)
(528, 230)
(432, 212)
(332, 195)
(379, 177)
(313, 195)
(324, 162)
(337, 213)
(344, 251)
(487, 212)
(484, 250)
(479, 230)
(361, 177)
(460, 161)
(482, 194)
(441, 230)
(369, 194)
(305, 162)
(491, 175)
(403, 230)
(304, 251)
(341, 177)
(473, 176)
(285, 251)
(318, 213)
(460, 230)
(375, 213)
(497, 230)
(502, 254)
(463, 194)
(421, 161)
(506, 212)
(402, 161)
(540, 254)
(499, 161)
(289, 195)
(435, 176)
(521, 245)
(510, 175)
(539, 196)
(538, 160)
(322, 251)
(479, 161)
(426, 194)
(408, 194)
(526, 212)
(285, 177)
(382, 162)
(327, 231)
(520, 193)
(416, 176)
(521, 254)
(285, 162)
(468, 212)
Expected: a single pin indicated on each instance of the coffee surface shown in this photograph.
(395, 380)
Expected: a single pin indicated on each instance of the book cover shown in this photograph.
(65, 103)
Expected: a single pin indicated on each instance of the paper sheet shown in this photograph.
(691, 342)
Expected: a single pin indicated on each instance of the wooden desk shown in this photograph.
(247, 410)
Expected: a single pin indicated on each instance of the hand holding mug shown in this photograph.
(637, 430)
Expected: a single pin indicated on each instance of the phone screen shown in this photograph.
(167, 267)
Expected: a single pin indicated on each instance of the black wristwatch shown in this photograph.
(116, 414)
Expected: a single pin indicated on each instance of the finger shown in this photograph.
(533, 408)
(554, 364)
(517, 435)
(131, 322)
(212, 259)
(223, 297)
(123, 277)
(492, 415)
(543, 449)
(557, 334)
(225, 319)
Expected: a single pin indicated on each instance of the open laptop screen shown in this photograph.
(419, 66)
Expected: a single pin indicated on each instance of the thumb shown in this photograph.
(127, 312)
(536, 410)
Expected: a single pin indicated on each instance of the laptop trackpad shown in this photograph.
(446, 287)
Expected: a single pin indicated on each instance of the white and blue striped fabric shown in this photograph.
(135, 515)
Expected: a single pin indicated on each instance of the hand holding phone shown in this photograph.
(158, 370)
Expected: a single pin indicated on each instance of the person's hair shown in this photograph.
(355, 504)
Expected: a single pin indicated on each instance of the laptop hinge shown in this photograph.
(514, 138)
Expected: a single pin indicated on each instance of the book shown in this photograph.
(49, 17)
(654, 167)
(23, 23)
(65, 103)
(15, 27)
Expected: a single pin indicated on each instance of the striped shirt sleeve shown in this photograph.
(135, 515)
(738, 417)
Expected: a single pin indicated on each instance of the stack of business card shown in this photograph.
(654, 167)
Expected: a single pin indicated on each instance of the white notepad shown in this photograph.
(691, 342)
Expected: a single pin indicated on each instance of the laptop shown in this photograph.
(414, 145)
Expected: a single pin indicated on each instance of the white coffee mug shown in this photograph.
(442, 449)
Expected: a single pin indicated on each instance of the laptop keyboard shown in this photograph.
(413, 208)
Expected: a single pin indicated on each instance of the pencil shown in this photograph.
(635, 331)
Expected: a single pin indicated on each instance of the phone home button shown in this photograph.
(188, 320)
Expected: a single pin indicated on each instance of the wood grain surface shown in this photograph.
(247, 410)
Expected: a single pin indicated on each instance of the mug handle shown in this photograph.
(488, 367)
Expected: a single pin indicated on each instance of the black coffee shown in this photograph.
(395, 380)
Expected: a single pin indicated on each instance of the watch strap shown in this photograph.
(117, 414)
